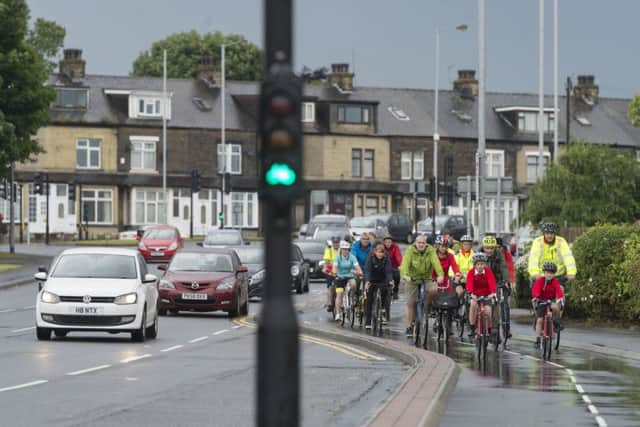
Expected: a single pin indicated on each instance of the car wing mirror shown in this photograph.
(40, 276)
(242, 269)
(150, 278)
(162, 267)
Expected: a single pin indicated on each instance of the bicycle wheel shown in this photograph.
(361, 302)
(439, 328)
(557, 339)
(375, 314)
(352, 310)
(425, 331)
(345, 302)
(447, 326)
(380, 312)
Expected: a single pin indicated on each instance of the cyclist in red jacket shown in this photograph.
(509, 259)
(447, 261)
(395, 254)
(546, 288)
(480, 282)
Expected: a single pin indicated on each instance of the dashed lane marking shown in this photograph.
(572, 378)
(8, 310)
(236, 327)
(220, 332)
(86, 371)
(580, 389)
(555, 364)
(601, 422)
(593, 410)
(25, 385)
(175, 347)
(512, 352)
(586, 399)
(23, 329)
(134, 358)
(569, 371)
(195, 340)
(29, 307)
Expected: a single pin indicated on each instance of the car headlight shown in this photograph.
(166, 284)
(226, 285)
(295, 270)
(131, 298)
(321, 264)
(258, 277)
(173, 246)
(50, 298)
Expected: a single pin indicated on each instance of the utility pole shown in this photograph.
(540, 90)
(436, 135)
(223, 130)
(568, 88)
(12, 213)
(164, 136)
(555, 82)
(47, 188)
(482, 162)
(281, 183)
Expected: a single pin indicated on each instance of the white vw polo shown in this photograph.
(97, 289)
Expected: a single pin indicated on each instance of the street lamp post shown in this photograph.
(164, 136)
(540, 90)
(223, 129)
(482, 165)
(555, 82)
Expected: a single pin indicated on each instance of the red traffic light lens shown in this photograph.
(280, 105)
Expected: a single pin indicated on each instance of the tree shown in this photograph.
(24, 98)
(591, 184)
(47, 38)
(634, 111)
(185, 50)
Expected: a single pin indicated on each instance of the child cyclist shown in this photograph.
(449, 266)
(344, 265)
(545, 288)
(480, 283)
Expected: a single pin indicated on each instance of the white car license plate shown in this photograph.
(157, 253)
(81, 309)
(202, 297)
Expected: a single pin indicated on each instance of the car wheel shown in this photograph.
(152, 331)
(410, 238)
(236, 309)
(139, 335)
(43, 334)
(60, 333)
(299, 289)
(174, 312)
(306, 284)
(162, 311)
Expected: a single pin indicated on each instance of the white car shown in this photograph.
(98, 289)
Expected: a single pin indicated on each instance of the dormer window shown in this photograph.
(354, 114)
(149, 107)
(308, 112)
(146, 105)
(528, 121)
(70, 98)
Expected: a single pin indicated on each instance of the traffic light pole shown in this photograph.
(46, 191)
(12, 212)
(278, 367)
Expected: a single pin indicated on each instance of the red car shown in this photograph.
(160, 243)
(204, 279)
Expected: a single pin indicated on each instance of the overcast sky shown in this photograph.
(392, 41)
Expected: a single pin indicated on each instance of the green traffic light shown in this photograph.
(280, 174)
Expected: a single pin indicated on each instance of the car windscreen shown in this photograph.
(199, 261)
(223, 238)
(99, 266)
(250, 255)
(159, 234)
(363, 222)
(440, 222)
(310, 247)
(327, 233)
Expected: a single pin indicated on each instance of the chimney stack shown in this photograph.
(341, 77)
(587, 89)
(208, 71)
(73, 65)
(466, 85)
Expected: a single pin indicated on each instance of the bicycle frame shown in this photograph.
(547, 330)
(482, 328)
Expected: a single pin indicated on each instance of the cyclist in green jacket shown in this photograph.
(418, 263)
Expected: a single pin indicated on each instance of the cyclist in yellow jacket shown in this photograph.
(330, 253)
(552, 248)
(464, 257)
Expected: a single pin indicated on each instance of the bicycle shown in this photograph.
(377, 309)
(444, 305)
(419, 312)
(462, 315)
(548, 330)
(504, 323)
(482, 327)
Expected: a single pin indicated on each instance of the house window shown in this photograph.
(372, 205)
(33, 204)
(528, 121)
(5, 206)
(148, 206)
(356, 162)
(143, 153)
(308, 112)
(70, 98)
(405, 164)
(242, 211)
(355, 114)
(234, 158)
(383, 204)
(495, 163)
(149, 107)
(359, 204)
(532, 165)
(97, 206)
(368, 164)
(418, 165)
(88, 154)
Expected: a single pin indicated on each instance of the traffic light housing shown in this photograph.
(227, 183)
(72, 191)
(432, 188)
(281, 135)
(3, 189)
(196, 181)
(38, 184)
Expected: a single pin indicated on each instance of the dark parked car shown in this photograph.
(398, 225)
(207, 279)
(253, 258)
(312, 251)
(456, 225)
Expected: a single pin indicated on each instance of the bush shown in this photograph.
(608, 260)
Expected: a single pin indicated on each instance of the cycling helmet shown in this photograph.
(549, 266)
(499, 241)
(479, 257)
(489, 242)
(549, 227)
(388, 236)
(345, 245)
(466, 238)
(441, 240)
(335, 239)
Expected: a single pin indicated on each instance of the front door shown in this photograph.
(181, 209)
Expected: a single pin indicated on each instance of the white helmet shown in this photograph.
(345, 245)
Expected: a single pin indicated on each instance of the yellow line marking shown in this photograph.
(346, 347)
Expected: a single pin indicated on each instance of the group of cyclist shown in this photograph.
(447, 267)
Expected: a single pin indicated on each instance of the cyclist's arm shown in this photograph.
(388, 270)
(404, 266)
(470, 281)
(435, 264)
(567, 257)
(535, 291)
(534, 258)
(492, 281)
(367, 269)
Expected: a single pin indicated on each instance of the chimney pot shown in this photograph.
(466, 85)
(72, 63)
(587, 88)
(341, 76)
(208, 71)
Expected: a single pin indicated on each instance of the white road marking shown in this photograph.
(175, 347)
(555, 364)
(195, 340)
(8, 310)
(579, 388)
(25, 385)
(593, 410)
(586, 399)
(572, 378)
(306, 322)
(569, 371)
(134, 358)
(601, 422)
(29, 307)
(23, 329)
(86, 371)
(512, 352)
(531, 357)
(220, 332)
(236, 327)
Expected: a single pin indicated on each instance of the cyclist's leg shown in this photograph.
(411, 292)
(369, 303)
(431, 292)
(329, 281)
(340, 286)
(473, 312)
(396, 281)
(386, 294)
